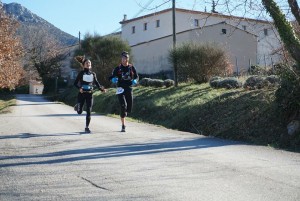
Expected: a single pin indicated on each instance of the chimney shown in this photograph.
(125, 17)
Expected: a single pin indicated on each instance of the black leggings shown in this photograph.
(88, 99)
(126, 101)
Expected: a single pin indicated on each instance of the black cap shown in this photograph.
(125, 54)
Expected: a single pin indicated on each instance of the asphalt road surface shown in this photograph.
(46, 156)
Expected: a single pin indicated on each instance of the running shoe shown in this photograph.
(87, 130)
(123, 129)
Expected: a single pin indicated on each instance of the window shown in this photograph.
(224, 31)
(244, 27)
(266, 32)
(145, 26)
(133, 29)
(196, 22)
(157, 23)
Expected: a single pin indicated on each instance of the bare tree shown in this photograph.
(43, 53)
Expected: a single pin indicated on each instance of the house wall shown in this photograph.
(152, 57)
(150, 47)
(36, 88)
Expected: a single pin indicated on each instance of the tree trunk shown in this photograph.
(295, 9)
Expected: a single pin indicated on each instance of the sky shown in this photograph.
(96, 16)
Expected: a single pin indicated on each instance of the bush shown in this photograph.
(255, 82)
(144, 82)
(22, 89)
(273, 79)
(288, 94)
(214, 82)
(258, 82)
(228, 83)
(156, 83)
(258, 70)
(199, 62)
(148, 82)
(169, 83)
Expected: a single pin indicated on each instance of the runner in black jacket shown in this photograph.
(124, 76)
(85, 81)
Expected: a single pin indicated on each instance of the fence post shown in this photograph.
(237, 67)
(250, 66)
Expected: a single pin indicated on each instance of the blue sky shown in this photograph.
(96, 16)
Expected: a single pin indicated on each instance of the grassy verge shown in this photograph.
(6, 100)
(235, 114)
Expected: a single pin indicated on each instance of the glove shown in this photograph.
(134, 82)
(114, 80)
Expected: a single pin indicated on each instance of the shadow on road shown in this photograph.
(30, 135)
(128, 150)
(43, 103)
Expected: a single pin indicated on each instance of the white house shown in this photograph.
(248, 41)
(36, 87)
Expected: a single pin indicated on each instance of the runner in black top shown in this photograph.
(85, 81)
(124, 76)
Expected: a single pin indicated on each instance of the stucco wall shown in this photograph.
(152, 57)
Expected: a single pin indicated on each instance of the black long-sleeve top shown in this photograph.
(125, 75)
(87, 77)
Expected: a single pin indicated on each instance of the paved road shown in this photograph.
(45, 156)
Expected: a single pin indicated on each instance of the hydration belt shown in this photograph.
(87, 88)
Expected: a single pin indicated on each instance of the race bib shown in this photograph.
(88, 78)
(119, 90)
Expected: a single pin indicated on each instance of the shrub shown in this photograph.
(228, 83)
(258, 82)
(214, 82)
(156, 83)
(258, 70)
(199, 62)
(22, 89)
(288, 94)
(169, 82)
(255, 82)
(231, 82)
(144, 82)
(148, 82)
(273, 79)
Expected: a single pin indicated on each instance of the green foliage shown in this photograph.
(259, 82)
(169, 83)
(22, 89)
(49, 67)
(259, 70)
(255, 82)
(6, 99)
(288, 94)
(228, 83)
(145, 82)
(148, 82)
(199, 62)
(104, 53)
(156, 83)
(53, 83)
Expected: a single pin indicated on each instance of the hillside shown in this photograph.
(30, 22)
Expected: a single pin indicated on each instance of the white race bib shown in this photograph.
(88, 78)
(119, 90)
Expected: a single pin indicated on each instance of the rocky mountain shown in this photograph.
(30, 22)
